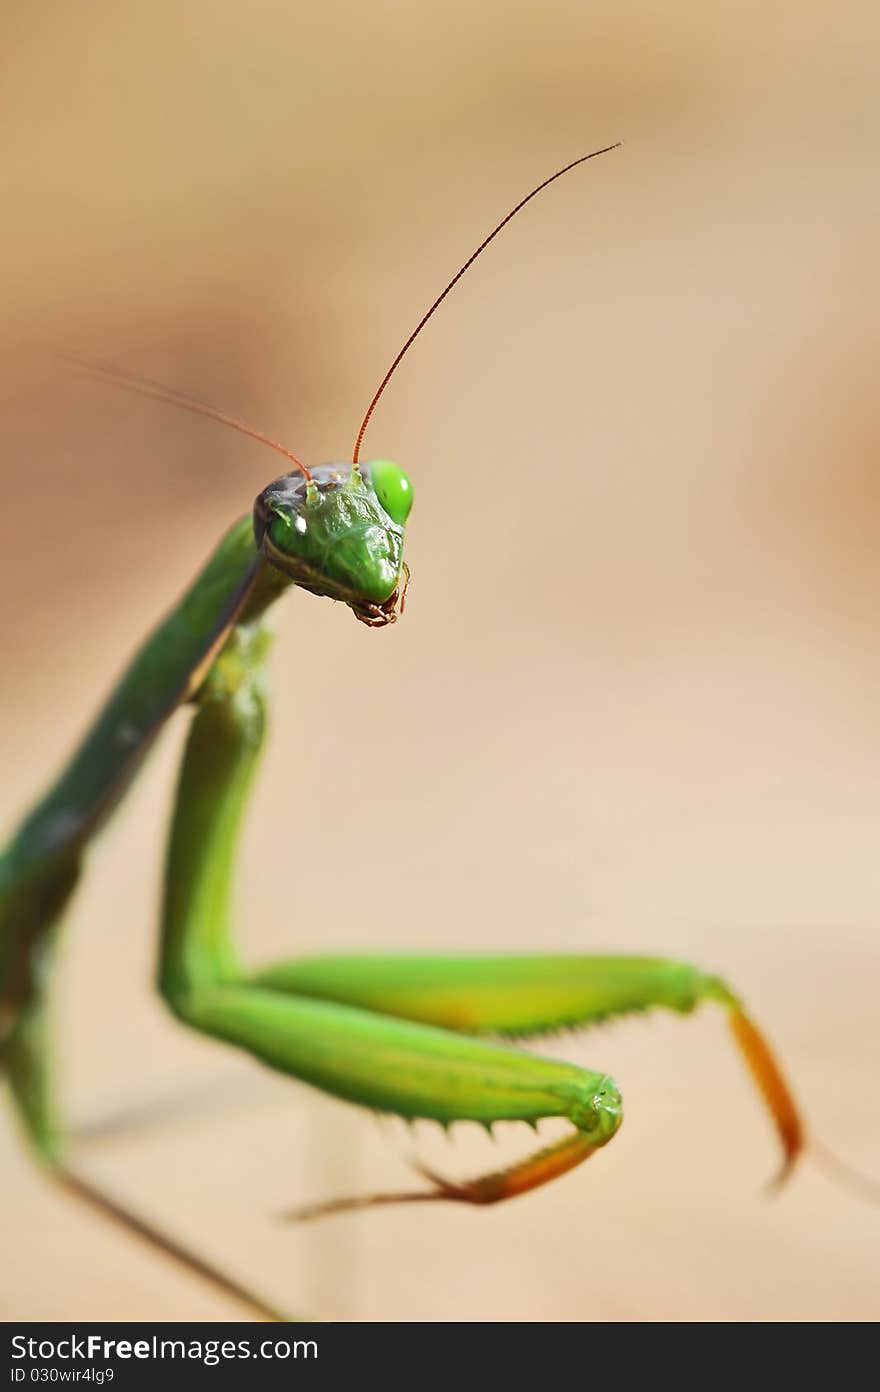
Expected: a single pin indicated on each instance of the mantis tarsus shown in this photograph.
(419, 1036)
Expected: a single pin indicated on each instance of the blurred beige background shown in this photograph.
(634, 701)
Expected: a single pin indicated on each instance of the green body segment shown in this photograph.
(410, 1070)
(156, 681)
(218, 766)
(490, 993)
(40, 867)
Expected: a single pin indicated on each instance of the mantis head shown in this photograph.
(339, 532)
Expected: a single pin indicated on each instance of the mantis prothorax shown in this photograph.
(419, 1036)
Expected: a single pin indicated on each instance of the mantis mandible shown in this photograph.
(414, 1035)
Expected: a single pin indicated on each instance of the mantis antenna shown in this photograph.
(147, 387)
(457, 277)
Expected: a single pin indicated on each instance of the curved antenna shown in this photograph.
(457, 277)
(145, 386)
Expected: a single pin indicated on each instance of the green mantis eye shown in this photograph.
(393, 489)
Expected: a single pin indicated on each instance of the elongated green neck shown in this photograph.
(163, 672)
(40, 867)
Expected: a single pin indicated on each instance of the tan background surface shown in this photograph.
(634, 702)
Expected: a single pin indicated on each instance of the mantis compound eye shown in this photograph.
(393, 489)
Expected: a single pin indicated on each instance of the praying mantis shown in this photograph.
(418, 1036)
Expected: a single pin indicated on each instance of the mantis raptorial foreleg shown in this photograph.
(399, 1034)
(382, 1062)
(521, 996)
